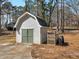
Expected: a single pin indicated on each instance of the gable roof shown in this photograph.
(40, 21)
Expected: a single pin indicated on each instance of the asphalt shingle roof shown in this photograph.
(42, 22)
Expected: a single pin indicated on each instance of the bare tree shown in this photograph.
(1, 2)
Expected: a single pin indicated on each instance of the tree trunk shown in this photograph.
(62, 16)
(57, 15)
(37, 8)
(0, 21)
(7, 18)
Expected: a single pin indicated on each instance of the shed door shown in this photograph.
(27, 35)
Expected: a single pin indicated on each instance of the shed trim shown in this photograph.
(22, 16)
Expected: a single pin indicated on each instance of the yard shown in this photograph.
(43, 51)
(31, 19)
(10, 50)
(69, 51)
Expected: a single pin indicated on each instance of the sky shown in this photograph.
(17, 2)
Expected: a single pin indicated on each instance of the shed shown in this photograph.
(30, 29)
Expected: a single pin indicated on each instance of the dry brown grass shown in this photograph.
(50, 51)
(7, 37)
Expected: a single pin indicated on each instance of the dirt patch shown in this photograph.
(10, 50)
(20, 51)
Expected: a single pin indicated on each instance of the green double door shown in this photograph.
(27, 35)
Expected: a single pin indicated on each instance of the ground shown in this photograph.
(49, 51)
(15, 52)
(10, 50)
(7, 37)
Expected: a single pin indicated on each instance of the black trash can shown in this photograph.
(57, 41)
(61, 40)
